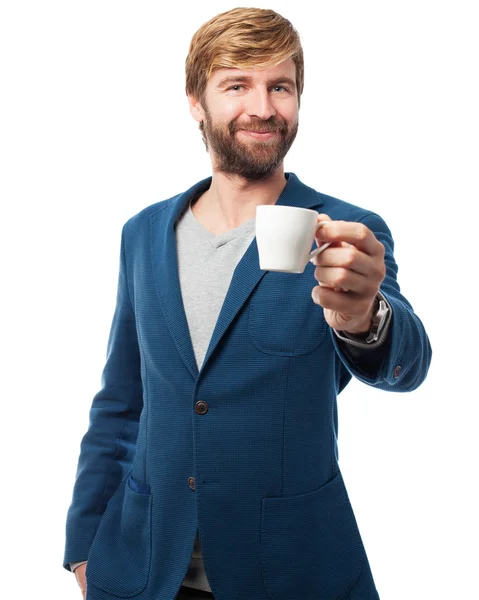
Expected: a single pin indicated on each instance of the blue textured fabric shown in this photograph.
(272, 509)
(138, 487)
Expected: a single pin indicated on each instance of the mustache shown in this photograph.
(262, 129)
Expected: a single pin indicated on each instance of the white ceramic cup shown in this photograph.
(284, 236)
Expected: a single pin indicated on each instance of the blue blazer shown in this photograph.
(246, 448)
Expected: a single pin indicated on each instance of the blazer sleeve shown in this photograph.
(406, 354)
(108, 447)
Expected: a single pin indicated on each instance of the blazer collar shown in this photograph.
(246, 275)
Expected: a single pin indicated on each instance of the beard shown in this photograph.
(240, 154)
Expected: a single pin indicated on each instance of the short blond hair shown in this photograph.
(242, 38)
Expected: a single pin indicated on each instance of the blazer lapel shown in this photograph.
(245, 277)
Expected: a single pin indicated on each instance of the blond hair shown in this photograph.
(242, 38)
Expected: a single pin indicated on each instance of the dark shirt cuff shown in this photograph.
(364, 357)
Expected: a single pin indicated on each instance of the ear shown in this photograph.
(196, 109)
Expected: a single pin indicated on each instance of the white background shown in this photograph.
(95, 126)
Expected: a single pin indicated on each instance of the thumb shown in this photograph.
(323, 217)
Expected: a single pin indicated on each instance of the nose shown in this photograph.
(259, 104)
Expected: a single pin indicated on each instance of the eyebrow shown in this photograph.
(244, 78)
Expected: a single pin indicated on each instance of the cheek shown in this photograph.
(231, 108)
(233, 114)
(292, 119)
(290, 112)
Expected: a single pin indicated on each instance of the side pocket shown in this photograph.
(138, 487)
(310, 544)
(119, 558)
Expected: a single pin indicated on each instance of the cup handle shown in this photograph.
(320, 248)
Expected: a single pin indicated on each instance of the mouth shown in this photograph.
(260, 134)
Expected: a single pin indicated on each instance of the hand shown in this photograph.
(349, 272)
(81, 578)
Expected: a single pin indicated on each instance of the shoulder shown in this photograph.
(342, 210)
(141, 221)
(146, 213)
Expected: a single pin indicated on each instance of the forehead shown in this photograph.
(285, 69)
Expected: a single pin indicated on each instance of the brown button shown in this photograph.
(191, 482)
(201, 407)
(397, 370)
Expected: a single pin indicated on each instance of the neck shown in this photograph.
(231, 201)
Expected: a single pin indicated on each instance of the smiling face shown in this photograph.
(240, 102)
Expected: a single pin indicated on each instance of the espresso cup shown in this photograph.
(284, 236)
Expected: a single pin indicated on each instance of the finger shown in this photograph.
(347, 303)
(356, 234)
(346, 256)
(342, 279)
(322, 218)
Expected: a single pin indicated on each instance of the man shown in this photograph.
(217, 417)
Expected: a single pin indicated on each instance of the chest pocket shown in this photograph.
(282, 318)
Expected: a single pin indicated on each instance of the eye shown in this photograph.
(276, 86)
